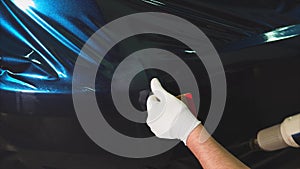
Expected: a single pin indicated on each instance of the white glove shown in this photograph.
(168, 117)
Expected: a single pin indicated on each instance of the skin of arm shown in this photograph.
(210, 153)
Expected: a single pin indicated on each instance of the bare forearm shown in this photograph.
(210, 153)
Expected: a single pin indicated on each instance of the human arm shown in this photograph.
(170, 118)
(210, 153)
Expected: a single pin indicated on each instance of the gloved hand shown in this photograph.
(168, 117)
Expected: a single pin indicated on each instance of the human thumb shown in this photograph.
(157, 89)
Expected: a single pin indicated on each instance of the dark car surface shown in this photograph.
(40, 40)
